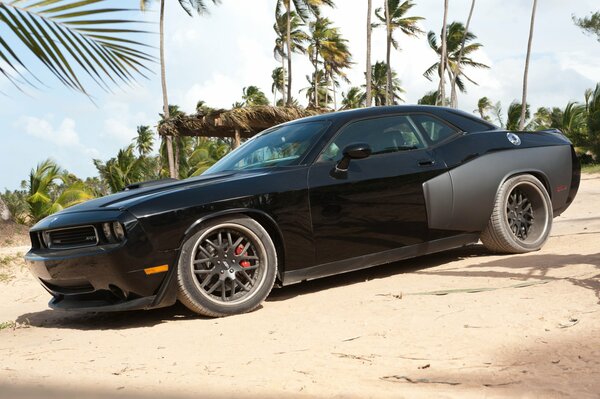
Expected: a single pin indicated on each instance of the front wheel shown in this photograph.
(522, 217)
(227, 268)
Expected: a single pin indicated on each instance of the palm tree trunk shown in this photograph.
(442, 90)
(524, 100)
(388, 90)
(334, 93)
(315, 79)
(454, 96)
(369, 94)
(177, 143)
(283, 98)
(288, 42)
(163, 79)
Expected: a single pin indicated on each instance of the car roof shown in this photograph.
(444, 113)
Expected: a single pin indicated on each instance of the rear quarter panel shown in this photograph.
(478, 164)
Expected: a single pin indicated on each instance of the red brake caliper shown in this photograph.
(238, 252)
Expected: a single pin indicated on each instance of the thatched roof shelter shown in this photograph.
(236, 123)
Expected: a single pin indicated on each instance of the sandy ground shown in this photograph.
(514, 326)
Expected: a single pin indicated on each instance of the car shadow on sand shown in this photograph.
(105, 321)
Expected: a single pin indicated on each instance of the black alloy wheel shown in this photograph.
(522, 216)
(229, 267)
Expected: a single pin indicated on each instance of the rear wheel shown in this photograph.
(229, 267)
(522, 217)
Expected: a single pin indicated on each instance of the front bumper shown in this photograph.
(109, 277)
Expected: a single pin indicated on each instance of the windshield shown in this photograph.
(280, 146)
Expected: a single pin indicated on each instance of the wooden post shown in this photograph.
(237, 139)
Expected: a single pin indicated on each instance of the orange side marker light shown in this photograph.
(156, 269)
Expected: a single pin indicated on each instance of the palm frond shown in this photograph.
(71, 37)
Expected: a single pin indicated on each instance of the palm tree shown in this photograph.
(429, 98)
(189, 6)
(574, 124)
(278, 85)
(336, 58)
(303, 8)
(123, 170)
(483, 105)
(513, 116)
(394, 17)
(369, 95)
(589, 25)
(321, 88)
(144, 140)
(67, 40)
(456, 73)
(593, 120)
(326, 43)
(205, 153)
(297, 39)
(379, 79)
(526, 72)
(253, 96)
(355, 98)
(456, 33)
(443, 58)
(46, 196)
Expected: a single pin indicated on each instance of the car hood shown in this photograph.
(126, 199)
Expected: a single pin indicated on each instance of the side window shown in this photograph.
(384, 135)
(434, 129)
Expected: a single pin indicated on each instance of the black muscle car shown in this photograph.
(310, 198)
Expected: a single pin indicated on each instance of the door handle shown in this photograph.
(426, 162)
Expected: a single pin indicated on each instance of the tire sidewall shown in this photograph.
(504, 193)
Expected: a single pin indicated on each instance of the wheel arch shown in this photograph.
(263, 218)
(538, 174)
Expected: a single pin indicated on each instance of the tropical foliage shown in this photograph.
(51, 189)
(590, 24)
(454, 39)
(394, 18)
(74, 41)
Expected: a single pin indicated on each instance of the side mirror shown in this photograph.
(353, 151)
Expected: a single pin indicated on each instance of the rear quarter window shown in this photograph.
(468, 123)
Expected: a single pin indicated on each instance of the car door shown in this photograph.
(378, 204)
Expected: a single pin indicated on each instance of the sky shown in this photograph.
(212, 58)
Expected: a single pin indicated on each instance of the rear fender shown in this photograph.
(462, 198)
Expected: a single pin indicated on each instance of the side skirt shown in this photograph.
(380, 258)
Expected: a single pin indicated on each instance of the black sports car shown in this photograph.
(310, 198)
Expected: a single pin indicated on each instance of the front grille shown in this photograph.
(74, 237)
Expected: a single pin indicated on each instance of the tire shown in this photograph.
(228, 267)
(522, 217)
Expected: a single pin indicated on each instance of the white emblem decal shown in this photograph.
(513, 138)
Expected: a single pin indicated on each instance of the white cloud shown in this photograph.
(63, 136)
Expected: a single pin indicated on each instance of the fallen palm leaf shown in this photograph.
(474, 290)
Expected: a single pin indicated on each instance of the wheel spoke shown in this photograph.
(202, 271)
(213, 288)
(243, 273)
(223, 289)
(238, 281)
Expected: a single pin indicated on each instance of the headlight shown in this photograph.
(108, 232)
(119, 231)
(114, 232)
(45, 236)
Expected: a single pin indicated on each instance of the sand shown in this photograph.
(464, 324)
